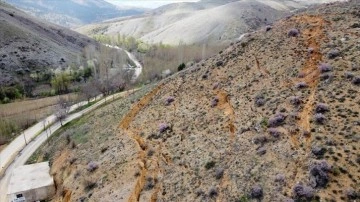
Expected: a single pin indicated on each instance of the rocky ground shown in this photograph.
(274, 117)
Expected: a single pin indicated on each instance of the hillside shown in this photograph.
(274, 117)
(28, 45)
(73, 13)
(198, 22)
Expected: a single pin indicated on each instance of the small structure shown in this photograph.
(31, 183)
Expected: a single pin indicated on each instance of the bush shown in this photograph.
(219, 173)
(12, 92)
(321, 108)
(352, 194)
(219, 63)
(356, 80)
(92, 166)
(210, 165)
(301, 84)
(333, 54)
(256, 192)
(319, 173)
(280, 178)
(213, 192)
(89, 185)
(260, 100)
(303, 192)
(261, 151)
(295, 100)
(323, 67)
(277, 120)
(274, 132)
(293, 32)
(262, 139)
(318, 151)
(349, 75)
(169, 100)
(310, 50)
(326, 76)
(163, 127)
(214, 102)
(319, 118)
(181, 66)
(150, 183)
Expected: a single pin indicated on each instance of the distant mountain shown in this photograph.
(28, 45)
(194, 22)
(73, 13)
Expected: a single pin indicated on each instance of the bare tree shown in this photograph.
(63, 108)
(90, 90)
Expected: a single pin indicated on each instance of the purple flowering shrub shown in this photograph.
(321, 108)
(319, 176)
(92, 166)
(333, 53)
(163, 127)
(274, 132)
(277, 120)
(301, 84)
(319, 118)
(324, 67)
(293, 32)
(256, 192)
(169, 100)
(214, 102)
(303, 192)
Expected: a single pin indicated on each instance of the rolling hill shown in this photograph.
(73, 13)
(199, 22)
(273, 117)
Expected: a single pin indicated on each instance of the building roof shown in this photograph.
(29, 177)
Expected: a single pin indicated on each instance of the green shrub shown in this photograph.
(181, 66)
(210, 165)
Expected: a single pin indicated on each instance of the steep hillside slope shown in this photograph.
(28, 45)
(73, 13)
(204, 21)
(273, 117)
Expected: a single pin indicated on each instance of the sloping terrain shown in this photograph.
(73, 13)
(198, 22)
(28, 45)
(274, 117)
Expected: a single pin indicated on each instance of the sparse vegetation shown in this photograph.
(319, 173)
(293, 32)
(92, 166)
(303, 192)
(276, 120)
(210, 165)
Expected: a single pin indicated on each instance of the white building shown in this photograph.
(30, 183)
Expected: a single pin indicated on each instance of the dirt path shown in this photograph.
(313, 35)
(145, 162)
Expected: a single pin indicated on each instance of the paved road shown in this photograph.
(138, 68)
(17, 153)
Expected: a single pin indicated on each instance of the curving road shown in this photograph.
(138, 68)
(17, 152)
